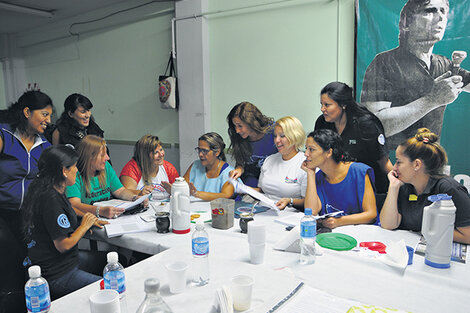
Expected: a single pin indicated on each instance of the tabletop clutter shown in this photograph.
(303, 239)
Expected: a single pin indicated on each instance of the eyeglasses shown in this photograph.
(201, 150)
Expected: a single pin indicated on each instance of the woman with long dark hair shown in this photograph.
(361, 131)
(51, 226)
(251, 141)
(339, 185)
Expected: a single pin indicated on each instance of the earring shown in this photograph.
(416, 168)
(65, 175)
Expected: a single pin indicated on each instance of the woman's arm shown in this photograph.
(462, 234)
(311, 197)
(105, 211)
(389, 216)
(226, 192)
(296, 203)
(237, 172)
(55, 137)
(130, 184)
(368, 214)
(66, 243)
(186, 175)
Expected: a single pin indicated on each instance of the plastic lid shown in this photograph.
(34, 271)
(199, 224)
(308, 211)
(438, 197)
(179, 179)
(151, 285)
(112, 257)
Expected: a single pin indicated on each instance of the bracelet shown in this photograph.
(134, 198)
(97, 211)
(291, 202)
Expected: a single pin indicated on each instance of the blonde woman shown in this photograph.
(148, 167)
(97, 180)
(281, 176)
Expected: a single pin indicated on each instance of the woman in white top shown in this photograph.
(281, 176)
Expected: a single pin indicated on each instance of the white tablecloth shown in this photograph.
(419, 288)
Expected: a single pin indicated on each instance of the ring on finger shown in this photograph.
(115, 215)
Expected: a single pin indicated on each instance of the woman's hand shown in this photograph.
(146, 190)
(236, 173)
(167, 186)
(282, 203)
(393, 179)
(307, 169)
(192, 189)
(331, 222)
(89, 220)
(110, 211)
(100, 223)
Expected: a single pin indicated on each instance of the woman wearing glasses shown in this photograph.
(147, 168)
(339, 185)
(208, 176)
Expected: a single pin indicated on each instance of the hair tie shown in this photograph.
(426, 140)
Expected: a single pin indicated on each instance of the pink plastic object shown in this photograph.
(374, 246)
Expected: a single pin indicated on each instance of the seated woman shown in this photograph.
(339, 185)
(416, 175)
(208, 176)
(148, 167)
(51, 225)
(75, 122)
(97, 180)
(281, 176)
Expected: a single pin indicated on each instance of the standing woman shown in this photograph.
(416, 175)
(76, 121)
(148, 167)
(208, 176)
(361, 131)
(97, 180)
(251, 141)
(281, 176)
(339, 185)
(51, 226)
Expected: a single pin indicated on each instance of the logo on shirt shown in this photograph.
(381, 139)
(288, 180)
(63, 221)
(352, 141)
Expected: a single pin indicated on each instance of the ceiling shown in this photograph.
(13, 22)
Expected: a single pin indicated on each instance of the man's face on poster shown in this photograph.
(429, 22)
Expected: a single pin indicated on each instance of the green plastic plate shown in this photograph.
(336, 241)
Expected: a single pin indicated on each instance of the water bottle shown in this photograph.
(153, 302)
(200, 247)
(113, 275)
(38, 298)
(438, 230)
(308, 232)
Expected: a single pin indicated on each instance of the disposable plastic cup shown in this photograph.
(411, 251)
(242, 288)
(177, 276)
(105, 301)
(257, 253)
(256, 233)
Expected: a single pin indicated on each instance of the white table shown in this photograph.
(419, 288)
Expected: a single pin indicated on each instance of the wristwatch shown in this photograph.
(291, 202)
(97, 211)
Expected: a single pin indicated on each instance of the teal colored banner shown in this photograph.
(378, 32)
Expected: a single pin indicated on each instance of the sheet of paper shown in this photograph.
(126, 225)
(242, 188)
(117, 203)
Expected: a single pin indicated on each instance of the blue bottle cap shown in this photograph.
(438, 197)
(308, 211)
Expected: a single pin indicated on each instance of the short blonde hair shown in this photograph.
(88, 150)
(293, 130)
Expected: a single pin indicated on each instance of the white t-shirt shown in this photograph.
(283, 179)
(156, 180)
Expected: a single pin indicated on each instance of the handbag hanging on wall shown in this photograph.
(167, 88)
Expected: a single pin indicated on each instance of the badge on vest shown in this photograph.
(63, 221)
(352, 141)
(381, 139)
(412, 197)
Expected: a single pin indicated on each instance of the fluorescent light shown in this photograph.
(25, 10)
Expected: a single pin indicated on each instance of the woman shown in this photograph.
(416, 175)
(97, 180)
(208, 176)
(281, 175)
(361, 131)
(76, 121)
(51, 225)
(339, 185)
(251, 141)
(148, 167)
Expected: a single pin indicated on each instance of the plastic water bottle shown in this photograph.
(153, 302)
(308, 232)
(113, 275)
(438, 230)
(38, 298)
(200, 247)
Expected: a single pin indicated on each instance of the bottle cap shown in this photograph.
(308, 211)
(112, 257)
(34, 271)
(179, 179)
(199, 225)
(438, 197)
(151, 285)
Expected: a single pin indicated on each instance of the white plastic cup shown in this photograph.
(256, 233)
(177, 276)
(242, 288)
(257, 253)
(105, 301)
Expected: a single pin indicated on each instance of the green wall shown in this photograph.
(2, 89)
(117, 68)
(278, 57)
